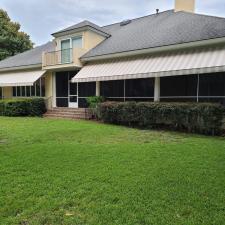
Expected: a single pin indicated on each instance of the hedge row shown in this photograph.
(22, 107)
(204, 118)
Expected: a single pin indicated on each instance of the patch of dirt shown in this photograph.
(3, 141)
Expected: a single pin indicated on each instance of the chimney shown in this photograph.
(185, 5)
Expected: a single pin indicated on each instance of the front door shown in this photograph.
(73, 95)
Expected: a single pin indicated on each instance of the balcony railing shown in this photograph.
(63, 57)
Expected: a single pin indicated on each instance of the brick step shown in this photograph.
(66, 113)
(69, 113)
(69, 109)
(69, 116)
(64, 116)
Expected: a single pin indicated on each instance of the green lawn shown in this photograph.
(76, 172)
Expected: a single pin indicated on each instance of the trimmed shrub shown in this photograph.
(22, 107)
(203, 118)
(93, 102)
(37, 107)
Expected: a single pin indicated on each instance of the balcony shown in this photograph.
(63, 58)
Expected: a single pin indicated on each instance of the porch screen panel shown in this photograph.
(179, 88)
(28, 94)
(62, 89)
(38, 86)
(85, 90)
(43, 86)
(140, 88)
(23, 91)
(14, 91)
(110, 89)
(212, 88)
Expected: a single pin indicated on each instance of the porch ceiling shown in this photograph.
(22, 78)
(185, 62)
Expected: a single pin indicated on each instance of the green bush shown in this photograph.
(22, 107)
(204, 118)
(93, 101)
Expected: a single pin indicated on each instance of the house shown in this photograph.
(176, 55)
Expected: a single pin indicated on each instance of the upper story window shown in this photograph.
(77, 42)
(67, 47)
(74, 42)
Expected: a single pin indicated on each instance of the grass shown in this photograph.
(77, 172)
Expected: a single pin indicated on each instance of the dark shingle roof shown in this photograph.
(163, 29)
(82, 24)
(30, 57)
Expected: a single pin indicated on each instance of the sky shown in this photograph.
(41, 18)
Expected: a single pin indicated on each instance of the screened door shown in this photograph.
(65, 51)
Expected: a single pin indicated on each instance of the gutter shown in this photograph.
(34, 66)
(155, 49)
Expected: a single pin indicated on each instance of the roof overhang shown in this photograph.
(202, 43)
(184, 62)
(22, 78)
(88, 27)
(24, 67)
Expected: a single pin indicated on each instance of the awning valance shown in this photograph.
(185, 62)
(25, 78)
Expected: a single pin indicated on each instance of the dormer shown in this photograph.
(71, 43)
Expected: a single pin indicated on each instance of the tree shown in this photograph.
(12, 40)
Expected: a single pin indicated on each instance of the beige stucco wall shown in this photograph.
(48, 84)
(49, 89)
(185, 5)
(7, 92)
(90, 39)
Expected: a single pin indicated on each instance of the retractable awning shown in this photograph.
(26, 78)
(185, 62)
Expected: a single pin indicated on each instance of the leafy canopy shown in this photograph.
(12, 40)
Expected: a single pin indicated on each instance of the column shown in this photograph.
(157, 89)
(97, 88)
(53, 90)
(7, 92)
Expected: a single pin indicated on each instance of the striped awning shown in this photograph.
(185, 62)
(24, 78)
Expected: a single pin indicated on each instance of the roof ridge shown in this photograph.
(200, 14)
(25, 52)
(137, 18)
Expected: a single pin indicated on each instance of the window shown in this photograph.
(37, 90)
(77, 42)
(65, 51)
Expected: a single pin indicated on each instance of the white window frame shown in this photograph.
(71, 40)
